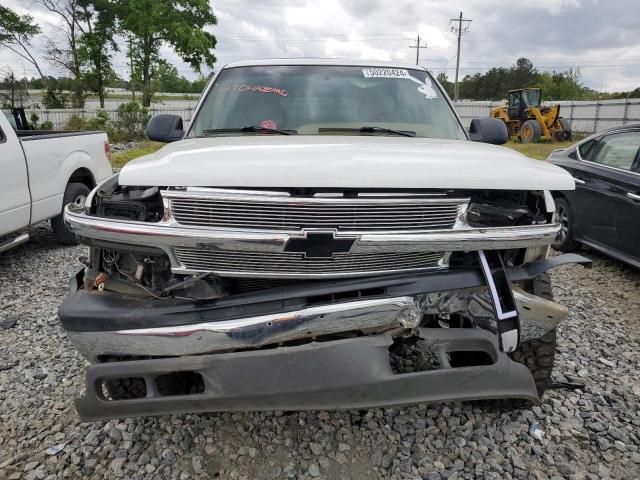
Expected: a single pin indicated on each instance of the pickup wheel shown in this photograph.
(538, 354)
(74, 193)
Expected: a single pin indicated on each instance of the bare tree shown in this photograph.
(16, 33)
(66, 56)
(13, 92)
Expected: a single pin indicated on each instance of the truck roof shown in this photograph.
(323, 61)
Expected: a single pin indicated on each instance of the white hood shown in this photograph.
(342, 162)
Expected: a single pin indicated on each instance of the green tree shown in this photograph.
(197, 86)
(446, 84)
(97, 23)
(561, 85)
(523, 74)
(36, 83)
(496, 82)
(177, 23)
(16, 33)
(131, 122)
(167, 79)
(54, 97)
(634, 93)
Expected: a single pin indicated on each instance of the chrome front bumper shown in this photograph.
(373, 315)
(379, 315)
(167, 235)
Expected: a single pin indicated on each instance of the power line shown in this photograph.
(549, 67)
(262, 37)
(417, 46)
(460, 30)
(579, 60)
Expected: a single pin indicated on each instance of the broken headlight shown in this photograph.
(112, 200)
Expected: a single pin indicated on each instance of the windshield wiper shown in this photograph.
(369, 129)
(249, 129)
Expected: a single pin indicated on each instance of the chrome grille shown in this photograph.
(285, 213)
(295, 265)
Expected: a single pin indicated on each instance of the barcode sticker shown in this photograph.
(371, 72)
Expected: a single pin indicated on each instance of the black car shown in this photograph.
(604, 210)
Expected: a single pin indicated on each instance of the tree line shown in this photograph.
(497, 81)
(14, 91)
(93, 30)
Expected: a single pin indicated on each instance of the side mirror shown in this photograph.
(165, 128)
(488, 130)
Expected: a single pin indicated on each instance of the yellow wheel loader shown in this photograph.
(527, 119)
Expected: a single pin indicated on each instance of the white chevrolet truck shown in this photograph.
(40, 172)
(314, 217)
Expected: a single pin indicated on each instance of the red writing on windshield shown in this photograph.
(255, 88)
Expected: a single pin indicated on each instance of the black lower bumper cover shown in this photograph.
(343, 374)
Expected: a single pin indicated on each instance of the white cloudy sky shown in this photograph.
(600, 37)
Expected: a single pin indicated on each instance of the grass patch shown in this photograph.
(539, 151)
(118, 160)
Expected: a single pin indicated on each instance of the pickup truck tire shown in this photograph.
(538, 354)
(73, 193)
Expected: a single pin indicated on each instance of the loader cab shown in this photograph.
(521, 99)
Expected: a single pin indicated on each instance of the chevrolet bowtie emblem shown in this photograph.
(319, 245)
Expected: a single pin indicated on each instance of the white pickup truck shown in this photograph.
(315, 218)
(42, 172)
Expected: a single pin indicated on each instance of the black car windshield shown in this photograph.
(326, 100)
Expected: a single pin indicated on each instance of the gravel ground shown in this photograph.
(122, 147)
(589, 433)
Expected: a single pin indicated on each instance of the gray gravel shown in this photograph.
(591, 433)
(122, 147)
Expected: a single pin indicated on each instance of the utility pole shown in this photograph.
(133, 87)
(417, 46)
(460, 30)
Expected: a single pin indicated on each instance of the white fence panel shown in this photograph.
(632, 113)
(585, 116)
(60, 117)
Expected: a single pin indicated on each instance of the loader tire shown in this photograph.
(538, 354)
(530, 131)
(73, 193)
(565, 123)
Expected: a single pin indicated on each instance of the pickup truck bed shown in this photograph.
(40, 169)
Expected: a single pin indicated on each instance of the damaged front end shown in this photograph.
(287, 299)
(335, 355)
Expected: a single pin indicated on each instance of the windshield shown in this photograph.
(326, 100)
(532, 97)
